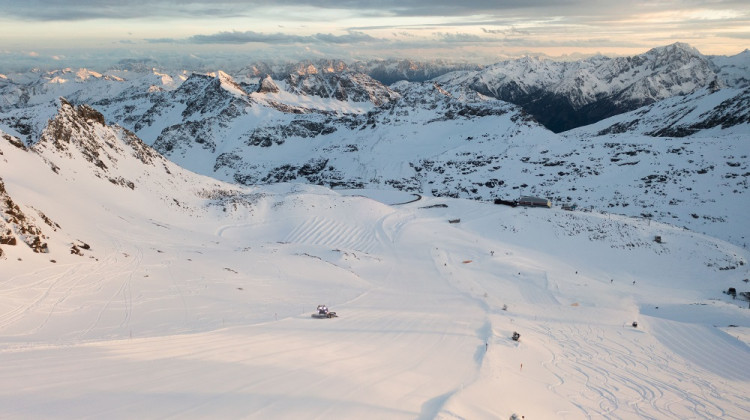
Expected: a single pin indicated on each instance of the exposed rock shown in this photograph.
(565, 95)
(343, 86)
(15, 223)
(267, 85)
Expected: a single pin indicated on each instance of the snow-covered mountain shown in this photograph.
(77, 150)
(324, 124)
(559, 94)
(131, 287)
(386, 71)
(710, 111)
(29, 100)
(565, 95)
(734, 71)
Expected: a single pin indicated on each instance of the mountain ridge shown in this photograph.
(345, 130)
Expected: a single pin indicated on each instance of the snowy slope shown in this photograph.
(706, 112)
(193, 300)
(734, 71)
(323, 124)
(447, 141)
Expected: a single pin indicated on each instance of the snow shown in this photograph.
(446, 140)
(195, 296)
(191, 305)
(660, 73)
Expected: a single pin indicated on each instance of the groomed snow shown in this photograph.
(178, 313)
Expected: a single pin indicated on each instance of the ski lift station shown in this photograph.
(530, 201)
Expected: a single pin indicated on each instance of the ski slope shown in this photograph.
(208, 316)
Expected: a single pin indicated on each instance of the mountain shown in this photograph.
(344, 86)
(448, 140)
(392, 71)
(149, 291)
(29, 100)
(734, 71)
(386, 71)
(565, 95)
(723, 111)
(560, 94)
(79, 151)
(327, 125)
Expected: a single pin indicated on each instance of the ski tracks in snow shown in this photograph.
(35, 303)
(124, 292)
(615, 370)
(333, 233)
(45, 286)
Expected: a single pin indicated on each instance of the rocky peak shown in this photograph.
(15, 223)
(586, 91)
(228, 83)
(678, 51)
(205, 95)
(74, 128)
(321, 66)
(344, 86)
(267, 85)
(734, 71)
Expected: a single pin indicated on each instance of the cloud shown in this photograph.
(44, 10)
(74, 10)
(352, 37)
(246, 37)
(71, 10)
(163, 41)
(736, 35)
(484, 29)
(459, 37)
(506, 32)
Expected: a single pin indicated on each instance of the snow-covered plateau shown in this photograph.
(163, 245)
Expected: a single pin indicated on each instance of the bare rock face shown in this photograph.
(15, 223)
(344, 86)
(74, 128)
(14, 141)
(267, 85)
(82, 130)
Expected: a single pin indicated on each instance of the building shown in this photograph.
(534, 202)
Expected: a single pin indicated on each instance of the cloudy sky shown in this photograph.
(97, 32)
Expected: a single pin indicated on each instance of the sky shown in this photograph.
(98, 33)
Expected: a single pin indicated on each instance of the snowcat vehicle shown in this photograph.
(323, 312)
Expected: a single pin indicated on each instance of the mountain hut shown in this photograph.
(534, 202)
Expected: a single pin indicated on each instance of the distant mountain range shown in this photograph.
(662, 135)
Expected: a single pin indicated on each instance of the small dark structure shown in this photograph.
(506, 202)
(529, 201)
(516, 336)
(657, 239)
(569, 207)
(635, 324)
(454, 221)
(732, 292)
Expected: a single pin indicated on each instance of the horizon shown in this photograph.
(221, 62)
(100, 34)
